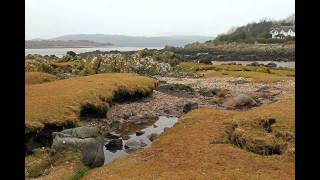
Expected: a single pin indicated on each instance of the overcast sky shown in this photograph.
(52, 18)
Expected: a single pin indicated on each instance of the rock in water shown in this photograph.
(114, 145)
(271, 65)
(139, 133)
(190, 106)
(87, 140)
(133, 145)
(152, 136)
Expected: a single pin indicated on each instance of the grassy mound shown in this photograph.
(265, 131)
(63, 102)
(258, 74)
(186, 151)
(38, 77)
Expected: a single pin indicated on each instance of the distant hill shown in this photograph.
(136, 41)
(39, 44)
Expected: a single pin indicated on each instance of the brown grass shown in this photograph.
(38, 77)
(59, 103)
(184, 151)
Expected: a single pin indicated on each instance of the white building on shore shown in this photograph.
(282, 31)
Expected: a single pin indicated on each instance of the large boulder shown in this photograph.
(240, 101)
(87, 140)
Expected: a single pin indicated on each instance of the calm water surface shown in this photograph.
(161, 123)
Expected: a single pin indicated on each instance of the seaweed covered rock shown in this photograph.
(87, 140)
(179, 90)
(213, 92)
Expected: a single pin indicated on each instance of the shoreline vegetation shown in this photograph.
(235, 121)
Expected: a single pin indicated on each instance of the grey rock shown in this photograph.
(79, 132)
(133, 145)
(87, 140)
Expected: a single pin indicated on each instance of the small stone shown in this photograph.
(152, 136)
(190, 106)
